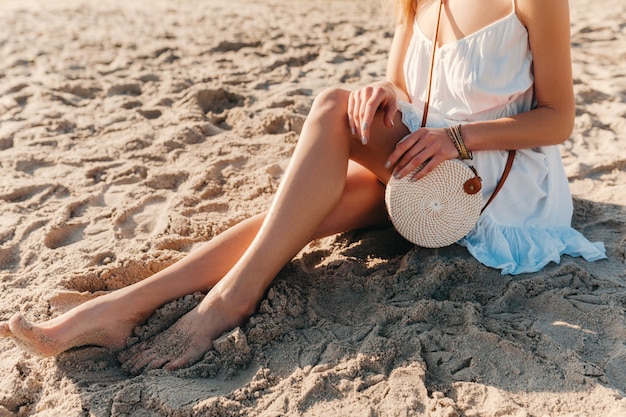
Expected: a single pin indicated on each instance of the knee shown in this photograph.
(331, 101)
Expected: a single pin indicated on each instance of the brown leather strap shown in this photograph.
(505, 173)
(432, 65)
(509, 161)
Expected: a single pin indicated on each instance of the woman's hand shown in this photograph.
(424, 146)
(365, 102)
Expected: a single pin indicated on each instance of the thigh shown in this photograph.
(382, 143)
(362, 204)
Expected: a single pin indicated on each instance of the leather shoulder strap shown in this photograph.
(432, 65)
(505, 173)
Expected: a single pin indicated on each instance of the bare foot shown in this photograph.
(187, 340)
(99, 322)
(4, 329)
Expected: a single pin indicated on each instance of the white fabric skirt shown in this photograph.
(528, 224)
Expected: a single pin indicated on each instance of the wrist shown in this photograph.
(456, 136)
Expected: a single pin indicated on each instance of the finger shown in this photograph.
(363, 123)
(355, 110)
(427, 168)
(351, 100)
(412, 160)
(413, 152)
(391, 109)
(372, 105)
(402, 147)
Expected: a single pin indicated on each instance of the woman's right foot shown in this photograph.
(98, 322)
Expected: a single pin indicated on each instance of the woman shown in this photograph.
(502, 71)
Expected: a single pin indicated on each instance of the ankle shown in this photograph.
(238, 304)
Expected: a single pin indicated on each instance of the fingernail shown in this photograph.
(363, 140)
(365, 126)
(353, 130)
(396, 175)
(393, 124)
(387, 165)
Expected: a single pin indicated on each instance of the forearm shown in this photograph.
(539, 127)
(395, 70)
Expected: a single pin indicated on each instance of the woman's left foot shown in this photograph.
(187, 340)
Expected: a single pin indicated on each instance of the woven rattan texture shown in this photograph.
(434, 211)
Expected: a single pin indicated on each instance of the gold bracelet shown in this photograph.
(454, 140)
(454, 133)
(466, 154)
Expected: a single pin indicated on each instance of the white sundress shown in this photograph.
(488, 75)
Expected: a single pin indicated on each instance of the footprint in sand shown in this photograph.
(167, 181)
(282, 122)
(234, 46)
(118, 274)
(218, 100)
(22, 388)
(213, 102)
(150, 114)
(31, 164)
(65, 234)
(6, 142)
(615, 372)
(143, 218)
(8, 257)
(132, 104)
(81, 90)
(118, 174)
(131, 89)
(33, 193)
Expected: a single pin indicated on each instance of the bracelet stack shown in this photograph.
(455, 134)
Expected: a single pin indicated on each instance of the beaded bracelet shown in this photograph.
(454, 133)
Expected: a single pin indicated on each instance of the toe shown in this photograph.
(138, 363)
(156, 363)
(184, 360)
(125, 355)
(28, 338)
(18, 325)
(178, 363)
(5, 331)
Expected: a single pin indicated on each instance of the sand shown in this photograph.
(133, 131)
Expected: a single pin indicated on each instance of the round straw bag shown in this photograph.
(438, 209)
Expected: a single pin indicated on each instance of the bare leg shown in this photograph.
(108, 320)
(311, 189)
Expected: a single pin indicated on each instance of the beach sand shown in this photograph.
(133, 131)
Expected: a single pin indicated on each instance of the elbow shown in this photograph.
(567, 115)
(562, 123)
(556, 116)
(567, 124)
(564, 128)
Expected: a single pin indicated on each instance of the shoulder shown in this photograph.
(541, 12)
